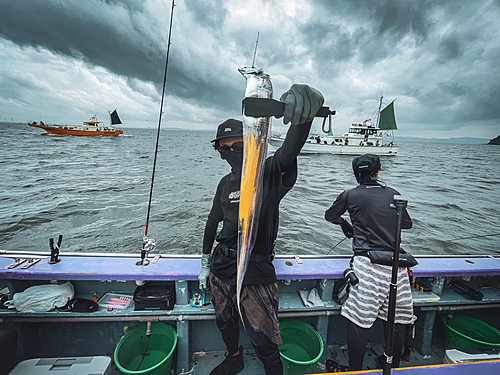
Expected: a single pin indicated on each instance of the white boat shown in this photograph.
(367, 137)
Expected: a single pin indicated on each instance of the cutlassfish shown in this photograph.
(255, 132)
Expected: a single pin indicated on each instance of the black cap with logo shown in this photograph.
(229, 128)
(366, 162)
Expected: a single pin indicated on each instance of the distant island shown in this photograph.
(459, 140)
(495, 141)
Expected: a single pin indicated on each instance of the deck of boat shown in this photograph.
(56, 334)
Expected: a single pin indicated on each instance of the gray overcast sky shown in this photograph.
(62, 61)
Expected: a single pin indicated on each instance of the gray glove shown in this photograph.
(302, 102)
(206, 261)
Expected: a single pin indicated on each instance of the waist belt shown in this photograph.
(386, 258)
(233, 253)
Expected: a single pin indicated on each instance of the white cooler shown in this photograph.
(99, 365)
(471, 355)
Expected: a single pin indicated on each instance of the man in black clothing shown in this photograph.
(373, 228)
(259, 294)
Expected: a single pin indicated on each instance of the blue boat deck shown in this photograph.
(54, 334)
(118, 268)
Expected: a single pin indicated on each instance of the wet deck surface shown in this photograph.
(205, 362)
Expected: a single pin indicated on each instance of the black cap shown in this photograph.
(366, 162)
(229, 128)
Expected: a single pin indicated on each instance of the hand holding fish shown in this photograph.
(302, 102)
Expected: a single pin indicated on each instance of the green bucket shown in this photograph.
(301, 349)
(129, 351)
(464, 332)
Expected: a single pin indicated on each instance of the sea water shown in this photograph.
(95, 191)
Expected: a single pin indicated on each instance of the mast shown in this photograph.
(378, 113)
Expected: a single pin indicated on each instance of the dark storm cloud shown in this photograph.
(117, 35)
(439, 57)
(400, 18)
(450, 49)
(80, 33)
(444, 36)
(365, 30)
(209, 14)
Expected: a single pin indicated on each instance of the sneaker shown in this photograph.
(231, 365)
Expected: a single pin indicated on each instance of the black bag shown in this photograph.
(80, 305)
(341, 290)
(386, 258)
(155, 295)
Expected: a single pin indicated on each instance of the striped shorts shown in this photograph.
(369, 298)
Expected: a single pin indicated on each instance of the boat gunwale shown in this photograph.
(38, 254)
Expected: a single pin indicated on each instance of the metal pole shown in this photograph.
(400, 204)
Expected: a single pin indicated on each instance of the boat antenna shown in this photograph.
(255, 51)
(378, 113)
(148, 245)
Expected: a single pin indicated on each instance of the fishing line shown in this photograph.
(465, 238)
(336, 245)
(159, 122)
(154, 66)
(148, 335)
(473, 237)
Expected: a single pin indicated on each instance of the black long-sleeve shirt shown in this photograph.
(372, 218)
(280, 174)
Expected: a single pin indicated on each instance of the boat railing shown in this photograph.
(94, 274)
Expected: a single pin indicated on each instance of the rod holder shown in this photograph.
(148, 246)
(55, 250)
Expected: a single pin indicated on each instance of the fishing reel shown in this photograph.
(350, 276)
(148, 246)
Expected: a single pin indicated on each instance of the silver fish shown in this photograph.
(255, 132)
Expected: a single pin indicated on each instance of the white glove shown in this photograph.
(302, 102)
(206, 261)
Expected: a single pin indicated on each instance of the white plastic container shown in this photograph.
(99, 365)
(471, 355)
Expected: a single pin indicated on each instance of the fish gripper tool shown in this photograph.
(264, 107)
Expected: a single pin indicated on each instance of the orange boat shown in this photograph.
(89, 128)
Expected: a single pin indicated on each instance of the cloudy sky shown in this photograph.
(62, 61)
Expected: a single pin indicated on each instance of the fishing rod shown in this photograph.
(466, 238)
(473, 237)
(148, 245)
(255, 51)
(336, 245)
(455, 239)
